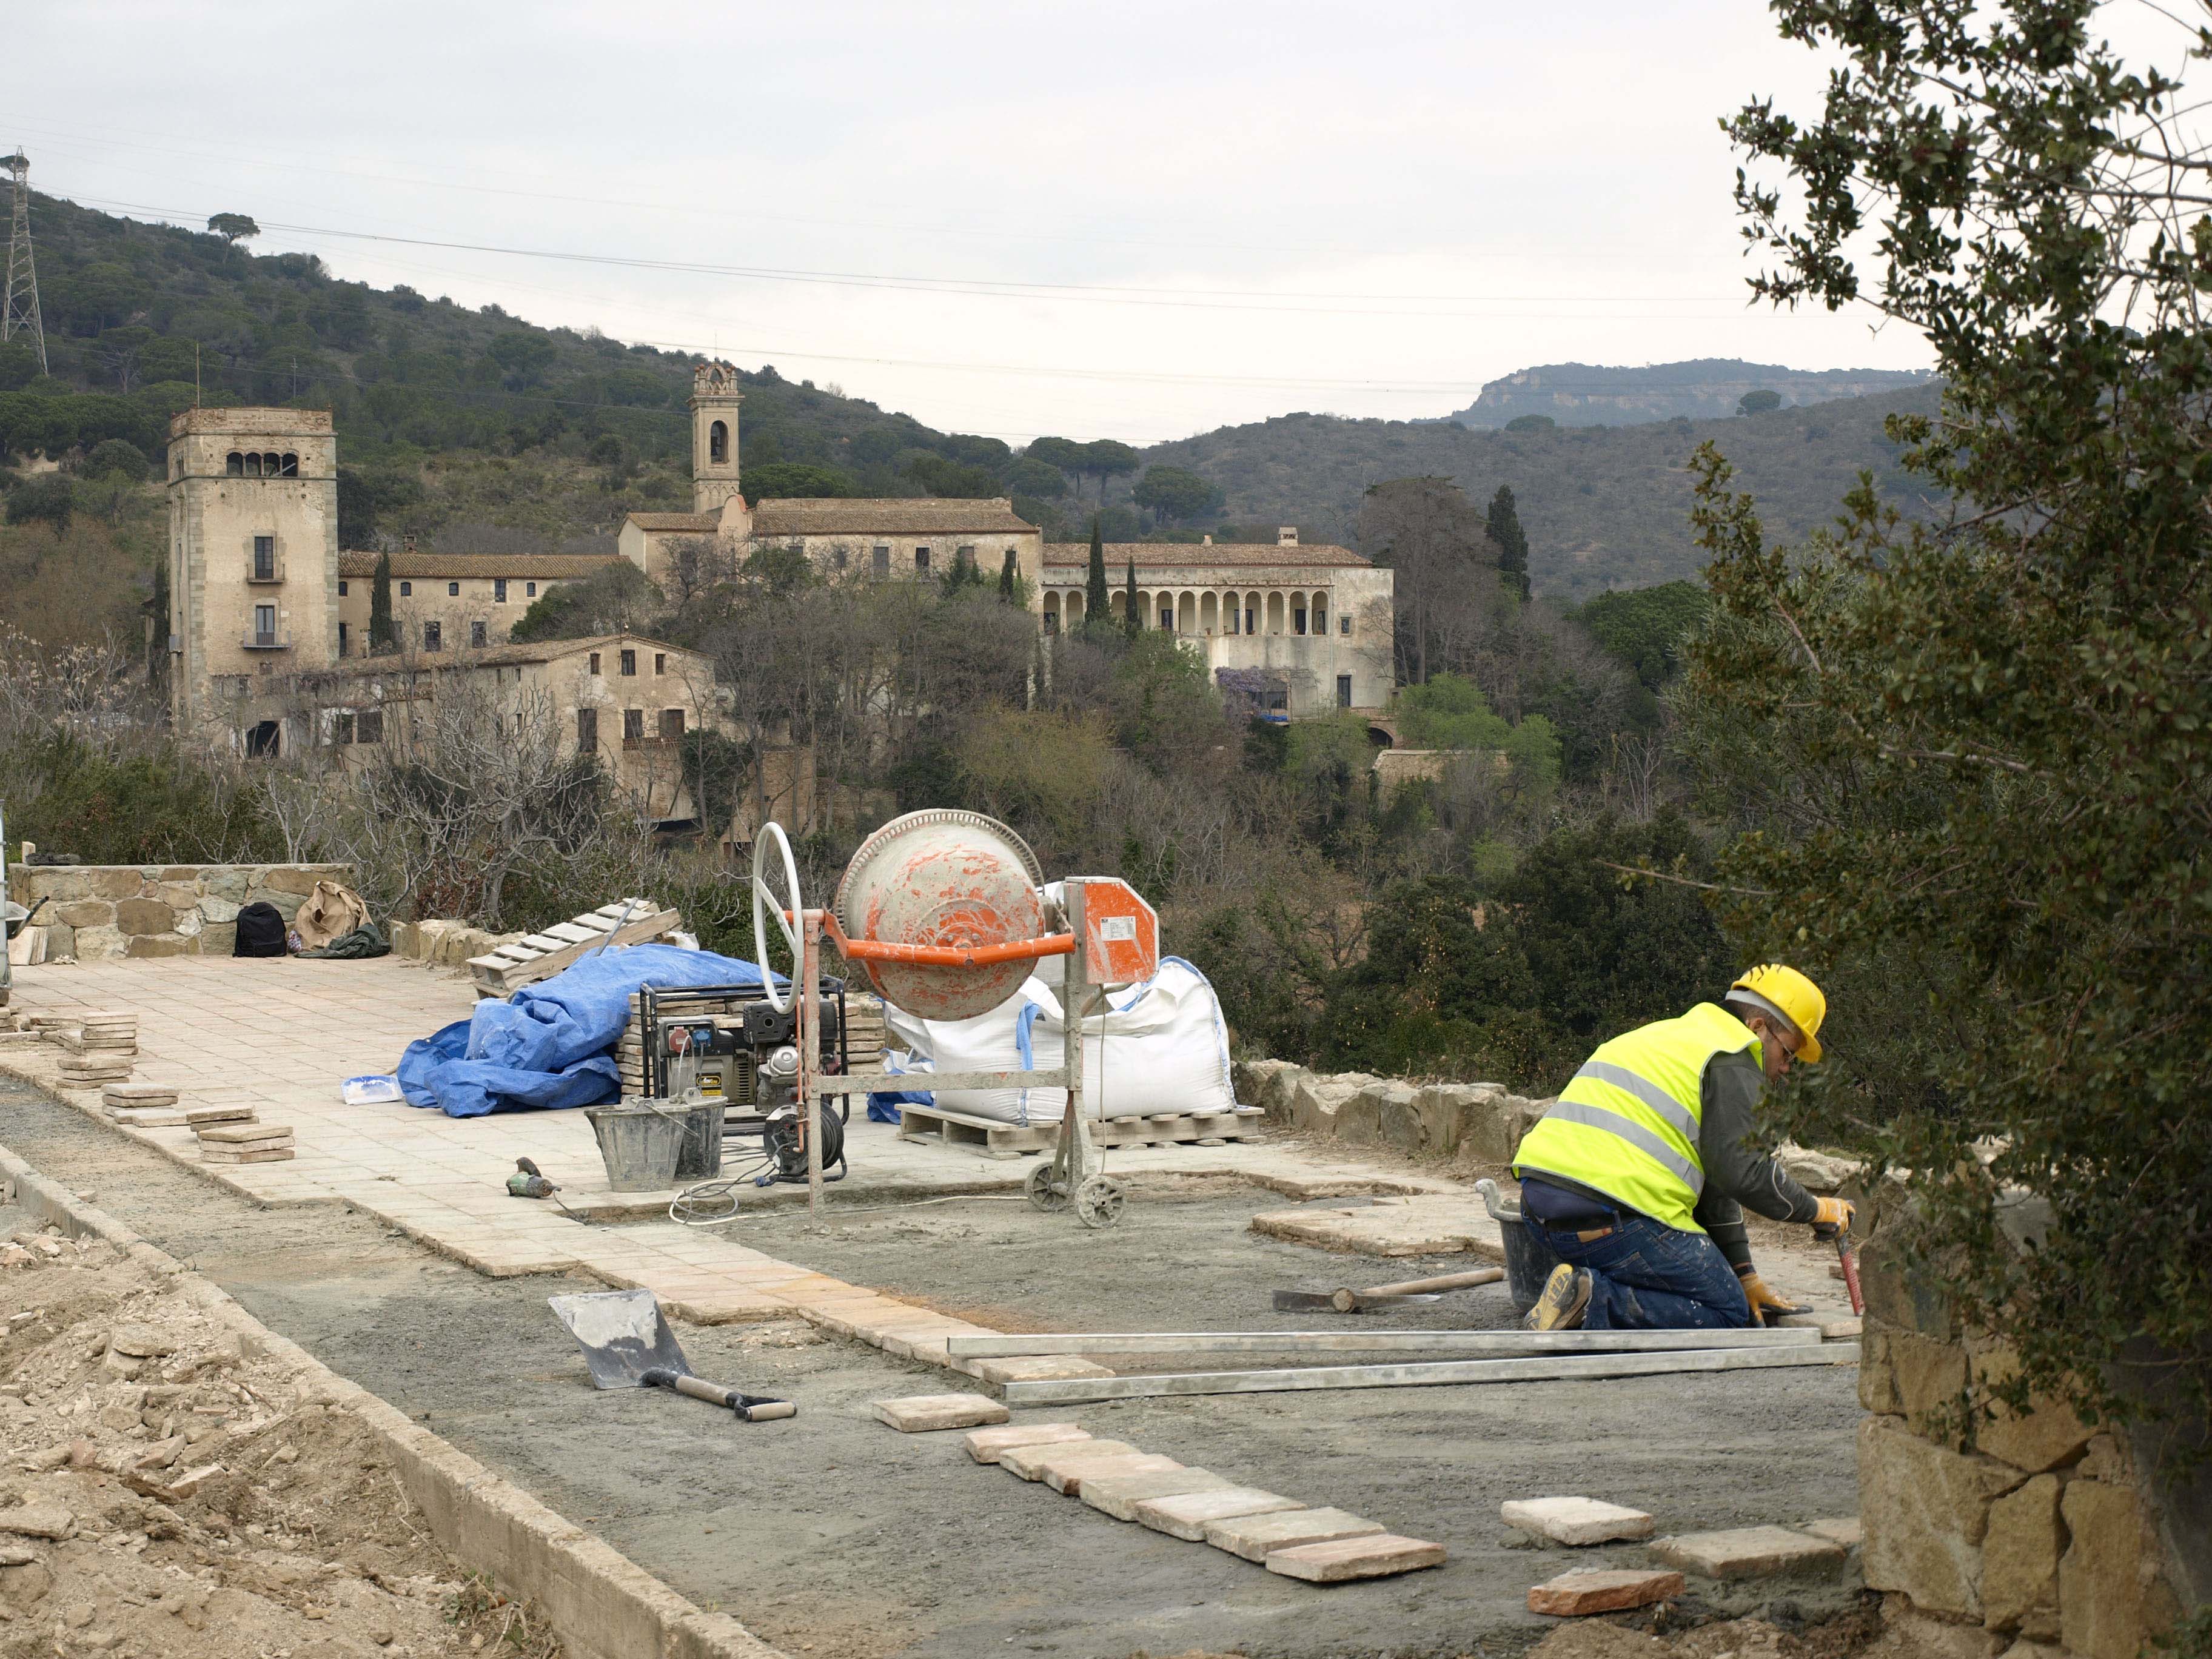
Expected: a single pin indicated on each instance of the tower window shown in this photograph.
(291, 466)
(233, 465)
(717, 443)
(253, 466)
(272, 466)
(264, 558)
(341, 639)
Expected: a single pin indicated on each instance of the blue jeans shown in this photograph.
(1645, 1276)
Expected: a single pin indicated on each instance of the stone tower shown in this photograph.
(254, 567)
(714, 400)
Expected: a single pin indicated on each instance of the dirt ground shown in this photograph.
(170, 1491)
(830, 1534)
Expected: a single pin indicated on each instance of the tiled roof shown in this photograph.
(508, 656)
(701, 522)
(479, 567)
(922, 516)
(1183, 555)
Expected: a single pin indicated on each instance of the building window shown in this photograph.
(921, 558)
(1320, 615)
(587, 730)
(291, 466)
(529, 590)
(1297, 619)
(434, 636)
(368, 725)
(963, 558)
(452, 590)
(1344, 624)
(883, 561)
(264, 558)
(341, 639)
(476, 637)
(660, 662)
(342, 590)
(595, 663)
(233, 465)
(633, 725)
(718, 444)
(629, 662)
(1344, 690)
(342, 726)
(262, 740)
(839, 557)
(264, 625)
(406, 590)
(671, 724)
(498, 591)
(1051, 622)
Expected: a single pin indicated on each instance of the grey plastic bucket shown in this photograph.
(642, 1147)
(701, 1158)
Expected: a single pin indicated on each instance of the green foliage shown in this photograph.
(1177, 494)
(1450, 712)
(617, 598)
(1010, 580)
(1531, 423)
(116, 457)
(1969, 758)
(383, 635)
(1646, 627)
(960, 480)
(1097, 603)
(796, 480)
(1032, 477)
(366, 496)
(233, 227)
(1132, 616)
(72, 796)
(48, 500)
(1758, 403)
(1162, 701)
(1503, 524)
(716, 770)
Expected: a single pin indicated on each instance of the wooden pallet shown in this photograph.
(999, 1139)
(541, 955)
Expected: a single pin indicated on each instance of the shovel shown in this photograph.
(1383, 1296)
(628, 1344)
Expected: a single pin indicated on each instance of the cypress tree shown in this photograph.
(382, 636)
(157, 640)
(1132, 623)
(1512, 545)
(1096, 605)
(1006, 578)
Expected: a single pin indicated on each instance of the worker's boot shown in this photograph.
(1565, 1296)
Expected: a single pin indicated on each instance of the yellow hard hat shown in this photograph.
(1792, 996)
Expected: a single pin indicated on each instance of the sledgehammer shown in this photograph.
(1848, 1256)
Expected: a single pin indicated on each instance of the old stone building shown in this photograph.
(450, 602)
(1302, 630)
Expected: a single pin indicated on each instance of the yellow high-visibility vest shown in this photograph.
(1627, 1124)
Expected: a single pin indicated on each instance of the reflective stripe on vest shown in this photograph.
(1627, 1123)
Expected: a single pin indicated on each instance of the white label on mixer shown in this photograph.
(1115, 930)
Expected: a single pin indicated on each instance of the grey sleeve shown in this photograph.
(1737, 1171)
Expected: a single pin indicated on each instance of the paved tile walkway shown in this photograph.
(282, 1035)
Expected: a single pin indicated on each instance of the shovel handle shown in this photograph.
(1429, 1286)
(752, 1407)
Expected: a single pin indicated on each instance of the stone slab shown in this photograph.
(242, 1134)
(1422, 1225)
(1187, 1516)
(925, 1414)
(1118, 1495)
(1377, 1555)
(985, 1444)
(1576, 1521)
(198, 1114)
(1030, 1462)
(1573, 1594)
(1253, 1536)
(1844, 1529)
(1747, 1551)
(1043, 1368)
(148, 1117)
(142, 1094)
(247, 1154)
(1069, 1477)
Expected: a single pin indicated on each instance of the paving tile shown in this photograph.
(1067, 1476)
(1747, 1551)
(1843, 1529)
(1037, 1368)
(1254, 1536)
(1572, 1594)
(1119, 1494)
(1575, 1521)
(1030, 1462)
(923, 1413)
(985, 1444)
(1189, 1515)
(1339, 1561)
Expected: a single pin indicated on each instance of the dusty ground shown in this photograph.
(830, 1534)
(169, 1492)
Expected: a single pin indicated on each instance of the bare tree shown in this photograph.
(1437, 542)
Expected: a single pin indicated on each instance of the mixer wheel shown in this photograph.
(1048, 1194)
(1098, 1202)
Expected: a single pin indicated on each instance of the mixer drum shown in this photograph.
(943, 876)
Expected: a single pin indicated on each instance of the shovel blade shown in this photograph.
(1325, 1301)
(623, 1334)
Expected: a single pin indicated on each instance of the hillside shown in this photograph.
(1603, 507)
(1707, 388)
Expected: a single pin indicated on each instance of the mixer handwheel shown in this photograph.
(1048, 1194)
(1098, 1202)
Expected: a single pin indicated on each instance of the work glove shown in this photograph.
(1833, 1213)
(1761, 1296)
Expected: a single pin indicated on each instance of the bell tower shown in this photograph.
(715, 400)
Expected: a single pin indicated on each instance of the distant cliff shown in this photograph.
(1597, 394)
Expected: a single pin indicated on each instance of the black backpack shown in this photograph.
(260, 932)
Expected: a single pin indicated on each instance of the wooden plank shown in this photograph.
(1510, 1342)
(541, 942)
(1540, 1368)
(553, 962)
(569, 933)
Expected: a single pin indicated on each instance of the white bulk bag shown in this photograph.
(1161, 1047)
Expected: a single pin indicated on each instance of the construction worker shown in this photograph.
(1635, 1176)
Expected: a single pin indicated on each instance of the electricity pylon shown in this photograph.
(19, 313)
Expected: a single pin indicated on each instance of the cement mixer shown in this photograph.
(945, 912)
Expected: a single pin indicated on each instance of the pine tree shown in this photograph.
(1132, 620)
(382, 636)
(1512, 545)
(1008, 578)
(1097, 605)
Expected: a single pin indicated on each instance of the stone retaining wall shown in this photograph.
(1424, 1120)
(2028, 1536)
(95, 912)
(445, 943)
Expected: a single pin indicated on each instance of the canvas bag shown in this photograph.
(331, 912)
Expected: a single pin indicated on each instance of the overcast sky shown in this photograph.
(1137, 221)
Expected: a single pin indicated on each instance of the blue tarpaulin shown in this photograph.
(552, 1044)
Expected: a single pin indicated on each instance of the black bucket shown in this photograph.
(1529, 1263)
